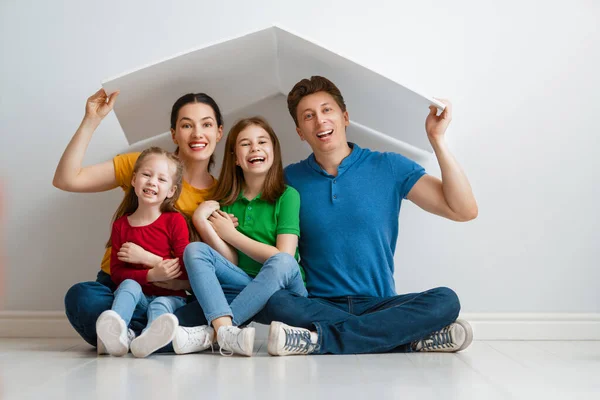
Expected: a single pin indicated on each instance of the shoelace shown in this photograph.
(297, 341)
(225, 354)
(228, 341)
(192, 337)
(439, 339)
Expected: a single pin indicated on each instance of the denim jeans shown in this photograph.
(129, 296)
(355, 325)
(208, 271)
(347, 325)
(85, 301)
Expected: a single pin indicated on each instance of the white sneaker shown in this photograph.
(285, 340)
(454, 337)
(160, 333)
(113, 333)
(101, 348)
(193, 340)
(236, 340)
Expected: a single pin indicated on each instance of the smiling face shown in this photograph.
(153, 181)
(254, 151)
(322, 123)
(196, 132)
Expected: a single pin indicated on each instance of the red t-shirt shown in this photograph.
(166, 237)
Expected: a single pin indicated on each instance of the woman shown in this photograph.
(196, 128)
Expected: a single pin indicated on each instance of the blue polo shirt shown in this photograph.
(349, 222)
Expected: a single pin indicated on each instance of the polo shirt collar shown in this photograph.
(241, 197)
(346, 162)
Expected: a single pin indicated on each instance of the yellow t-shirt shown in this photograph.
(188, 200)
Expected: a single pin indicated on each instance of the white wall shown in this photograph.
(522, 78)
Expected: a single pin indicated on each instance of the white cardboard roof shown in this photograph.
(252, 74)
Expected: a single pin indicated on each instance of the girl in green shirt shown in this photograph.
(256, 259)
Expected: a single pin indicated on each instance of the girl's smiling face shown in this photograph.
(153, 181)
(254, 150)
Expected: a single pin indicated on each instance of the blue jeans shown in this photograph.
(129, 296)
(85, 301)
(208, 271)
(355, 325)
(345, 325)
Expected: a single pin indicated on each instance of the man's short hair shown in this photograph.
(309, 86)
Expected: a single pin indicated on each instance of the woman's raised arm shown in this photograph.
(70, 175)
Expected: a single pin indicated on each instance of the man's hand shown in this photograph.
(436, 125)
(165, 270)
(134, 254)
(222, 223)
(174, 284)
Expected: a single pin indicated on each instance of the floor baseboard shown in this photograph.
(486, 326)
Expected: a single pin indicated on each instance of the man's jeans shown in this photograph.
(130, 296)
(354, 325)
(208, 271)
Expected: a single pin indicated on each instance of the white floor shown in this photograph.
(69, 369)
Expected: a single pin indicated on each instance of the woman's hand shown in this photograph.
(205, 209)
(99, 104)
(165, 270)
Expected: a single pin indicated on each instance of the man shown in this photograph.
(350, 201)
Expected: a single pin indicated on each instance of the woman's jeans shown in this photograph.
(210, 273)
(85, 301)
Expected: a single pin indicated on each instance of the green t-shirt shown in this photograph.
(263, 221)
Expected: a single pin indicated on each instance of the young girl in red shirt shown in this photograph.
(147, 217)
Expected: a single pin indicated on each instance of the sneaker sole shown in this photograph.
(160, 333)
(109, 328)
(100, 347)
(468, 333)
(249, 334)
(274, 331)
(181, 348)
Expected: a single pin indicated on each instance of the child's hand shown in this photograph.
(165, 270)
(134, 254)
(205, 209)
(222, 223)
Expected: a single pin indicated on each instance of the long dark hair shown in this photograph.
(231, 178)
(130, 202)
(196, 98)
